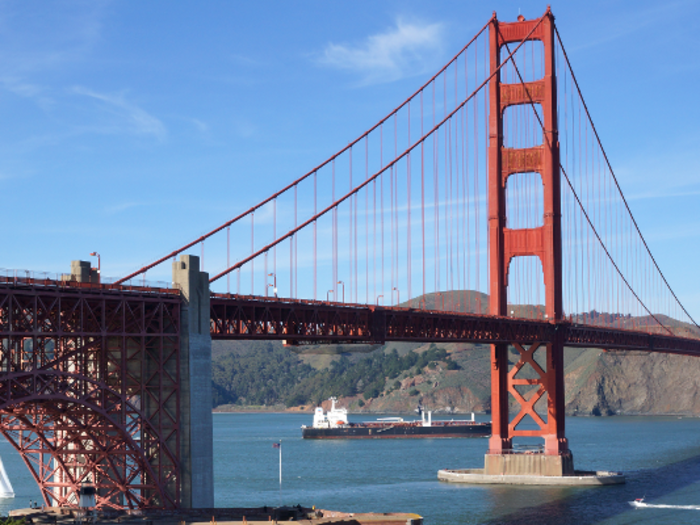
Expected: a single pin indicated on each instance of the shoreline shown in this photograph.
(281, 409)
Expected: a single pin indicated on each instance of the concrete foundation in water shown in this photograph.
(578, 479)
(529, 464)
(530, 469)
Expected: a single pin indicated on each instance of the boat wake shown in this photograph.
(639, 504)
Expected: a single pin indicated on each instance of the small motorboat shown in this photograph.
(639, 504)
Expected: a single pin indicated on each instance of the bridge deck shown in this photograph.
(316, 322)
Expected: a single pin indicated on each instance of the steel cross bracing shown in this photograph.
(90, 392)
(315, 322)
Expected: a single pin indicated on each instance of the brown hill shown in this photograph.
(597, 383)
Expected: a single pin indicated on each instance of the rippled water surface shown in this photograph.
(660, 456)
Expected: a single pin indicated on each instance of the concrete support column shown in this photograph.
(81, 272)
(196, 441)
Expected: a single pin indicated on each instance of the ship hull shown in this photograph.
(398, 431)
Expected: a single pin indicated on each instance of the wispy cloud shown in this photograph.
(244, 60)
(404, 50)
(129, 117)
(202, 127)
(35, 41)
(638, 20)
(685, 231)
(118, 208)
(663, 195)
(20, 87)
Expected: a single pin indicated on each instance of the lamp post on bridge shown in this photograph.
(398, 295)
(274, 283)
(328, 296)
(95, 254)
(379, 297)
(341, 282)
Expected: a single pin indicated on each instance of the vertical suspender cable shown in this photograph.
(422, 191)
(408, 209)
(381, 200)
(315, 237)
(252, 251)
(228, 258)
(274, 236)
(366, 224)
(295, 241)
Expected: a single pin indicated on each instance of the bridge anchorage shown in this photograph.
(109, 384)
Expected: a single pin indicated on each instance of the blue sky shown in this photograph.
(132, 127)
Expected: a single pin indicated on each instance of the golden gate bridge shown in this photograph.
(485, 200)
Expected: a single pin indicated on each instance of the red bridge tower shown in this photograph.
(543, 242)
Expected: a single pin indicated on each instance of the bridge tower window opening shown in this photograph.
(524, 201)
(526, 288)
(521, 125)
(527, 64)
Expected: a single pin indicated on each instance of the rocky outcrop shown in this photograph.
(597, 383)
(634, 383)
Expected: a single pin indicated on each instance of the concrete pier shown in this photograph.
(196, 441)
(530, 468)
(577, 479)
(529, 464)
(82, 272)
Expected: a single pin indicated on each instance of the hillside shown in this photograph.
(597, 382)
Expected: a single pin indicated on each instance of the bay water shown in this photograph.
(659, 455)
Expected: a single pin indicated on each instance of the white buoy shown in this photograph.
(6, 490)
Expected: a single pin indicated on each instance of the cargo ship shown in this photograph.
(335, 425)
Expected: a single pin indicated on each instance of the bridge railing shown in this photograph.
(66, 281)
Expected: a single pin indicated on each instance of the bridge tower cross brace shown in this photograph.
(543, 242)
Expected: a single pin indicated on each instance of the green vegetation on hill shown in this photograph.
(272, 375)
(367, 376)
(263, 375)
(12, 521)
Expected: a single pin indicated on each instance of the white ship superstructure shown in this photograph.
(334, 418)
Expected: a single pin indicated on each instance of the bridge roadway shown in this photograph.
(298, 322)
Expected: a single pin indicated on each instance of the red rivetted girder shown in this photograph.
(90, 390)
(297, 322)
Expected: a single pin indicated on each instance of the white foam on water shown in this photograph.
(642, 505)
(6, 490)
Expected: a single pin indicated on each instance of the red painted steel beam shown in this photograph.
(316, 322)
(89, 390)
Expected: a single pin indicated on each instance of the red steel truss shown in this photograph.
(315, 322)
(90, 391)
